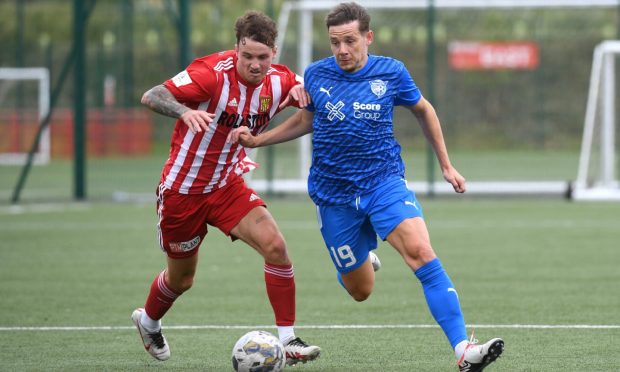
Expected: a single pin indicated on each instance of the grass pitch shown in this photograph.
(541, 273)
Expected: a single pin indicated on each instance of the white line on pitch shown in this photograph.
(45, 208)
(336, 326)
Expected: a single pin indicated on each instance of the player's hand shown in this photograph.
(197, 120)
(243, 136)
(297, 93)
(455, 179)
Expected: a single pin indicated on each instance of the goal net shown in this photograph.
(597, 176)
(510, 127)
(24, 102)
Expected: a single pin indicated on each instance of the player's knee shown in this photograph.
(182, 284)
(361, 292)
(186, 284)
(360, 295)
(274, 250)
(417, 255)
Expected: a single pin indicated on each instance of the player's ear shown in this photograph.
(370, 36)
(274, 51)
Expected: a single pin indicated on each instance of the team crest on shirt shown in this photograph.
(378, 87)
(265, 102)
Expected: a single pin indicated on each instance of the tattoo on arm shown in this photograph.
(160, 100)
(262, 218)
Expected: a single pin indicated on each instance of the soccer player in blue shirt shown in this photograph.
(357, 174)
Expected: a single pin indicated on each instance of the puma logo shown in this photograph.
(326, 91)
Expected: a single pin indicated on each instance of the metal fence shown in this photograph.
(133, 45)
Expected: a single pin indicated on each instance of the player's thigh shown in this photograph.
(181, 223)
(412, 241)
(389, 205)
(234, 208)
(259, 230)
(397, 217)
(348, 236)
(361, 280)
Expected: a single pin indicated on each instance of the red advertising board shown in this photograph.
(507, 55)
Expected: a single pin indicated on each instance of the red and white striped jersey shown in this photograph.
(204, 162)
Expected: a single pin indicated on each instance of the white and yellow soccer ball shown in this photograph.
(258, 351)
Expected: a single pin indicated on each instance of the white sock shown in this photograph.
(460, 349)
(149, 324)
(286, 334)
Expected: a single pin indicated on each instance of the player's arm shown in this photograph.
(429, 122)
(299, 124)
(297, 94)
(161, 100)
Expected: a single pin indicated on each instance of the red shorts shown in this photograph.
(183, 218)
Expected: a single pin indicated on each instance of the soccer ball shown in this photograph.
(258, 351)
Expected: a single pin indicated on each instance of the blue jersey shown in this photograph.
(354, 148)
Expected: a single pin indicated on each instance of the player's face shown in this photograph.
(253, 60)
(350, 46)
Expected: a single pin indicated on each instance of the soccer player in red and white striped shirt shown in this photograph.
(201, 181)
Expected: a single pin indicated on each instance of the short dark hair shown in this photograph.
(346, 13)
(257, 26)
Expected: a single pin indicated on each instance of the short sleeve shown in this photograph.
(290, 80)
(192, 84)
(408, 92)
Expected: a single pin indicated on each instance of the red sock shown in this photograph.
(280, 283)
(160, 298)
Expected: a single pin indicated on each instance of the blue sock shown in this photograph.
(442, 300)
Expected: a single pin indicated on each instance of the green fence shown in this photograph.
(507, 124)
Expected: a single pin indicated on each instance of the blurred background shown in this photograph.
(510, 83)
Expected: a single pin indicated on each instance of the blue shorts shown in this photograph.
(350, 230)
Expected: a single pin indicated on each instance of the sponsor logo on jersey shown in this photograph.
(235, 120)
(378, 87)
(233, 102)
(182, 78)
(368, 111)
(254, 197)
(184, 246)
(334, 110)
(265, 102)
(367, 106)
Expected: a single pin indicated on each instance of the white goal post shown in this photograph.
(305, 9)
(600, 183)
(41, 76)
